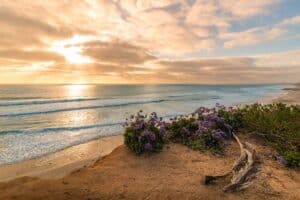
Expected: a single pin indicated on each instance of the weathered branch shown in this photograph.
(241, 171)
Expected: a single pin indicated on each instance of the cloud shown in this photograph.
(240, 10)
(34, 26)
(9, 18)
(30, 56)
(290, 21)
(116, 52)
(165, 27)
(281, 67)
(140, 41)
(251, 36)
(199, 64)
(258, 35)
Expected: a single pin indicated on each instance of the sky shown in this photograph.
(149, 41)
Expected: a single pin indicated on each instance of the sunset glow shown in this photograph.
(76, 90)
(71, 51)
(145, 41)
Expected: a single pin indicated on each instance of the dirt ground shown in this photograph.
(175, 173)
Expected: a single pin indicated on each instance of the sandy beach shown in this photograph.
(105, 169)
(58, 164)
(291, 95)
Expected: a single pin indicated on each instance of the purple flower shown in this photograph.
(206, 123)
(146, 133)
(148, 146)
(154, 115)
(210, 117)
(214, 118)
(217, 134)
(201, 129)
(149, 135)
(137, 127)
(152, 136)
(162, 131)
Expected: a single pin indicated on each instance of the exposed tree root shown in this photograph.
(242, 171)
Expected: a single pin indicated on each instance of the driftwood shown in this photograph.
(242, 171)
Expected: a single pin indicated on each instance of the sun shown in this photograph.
(71, 50)
(76, 90)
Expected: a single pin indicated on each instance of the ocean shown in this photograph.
(40, 119)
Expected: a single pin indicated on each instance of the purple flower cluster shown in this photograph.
(204, 122)
(219, 134)
(148, 129)
(149, 135)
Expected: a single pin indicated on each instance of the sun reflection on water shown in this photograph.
(76, 90)
(76, 118)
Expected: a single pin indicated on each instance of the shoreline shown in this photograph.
(58, 164)
(292, 95)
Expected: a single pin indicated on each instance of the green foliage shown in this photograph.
(292, 158)
(232, 117)
(277, 124)
(205, 142)
(180, 130)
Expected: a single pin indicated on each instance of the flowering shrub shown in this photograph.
(203, 130)
(278, 125)
(144, 133)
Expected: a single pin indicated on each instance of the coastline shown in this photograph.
(291, 95)
(61, 163)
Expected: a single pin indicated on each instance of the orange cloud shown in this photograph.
(138, 41)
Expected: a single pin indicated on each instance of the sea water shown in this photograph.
(39, 119)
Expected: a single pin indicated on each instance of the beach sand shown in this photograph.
(58, 164)
(95, 171)
(291, 96)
